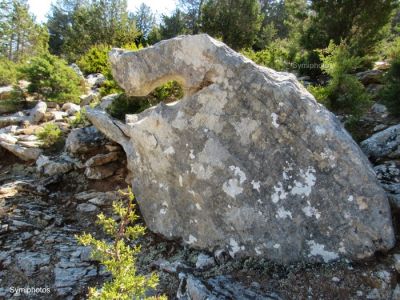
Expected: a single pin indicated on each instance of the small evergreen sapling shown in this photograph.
(118, 257)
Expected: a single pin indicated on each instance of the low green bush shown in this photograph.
(52, 78)
(391, 92)
(123, 104)
(50, 134)
(8, 72)
(344, 93)
(275, 57)
(118, 257)
(80, 120)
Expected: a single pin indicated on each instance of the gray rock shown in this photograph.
(38, 112)
(380, 110)
(69, 276)
(102, 159)
(388, 171)
(84, 140)
(24, 153)
(95, 80)
(220, 287)
(71, 108)
(204, 261)
(77, 70)
(396, 258)
(247, 160)
(87, 99)
(86, 207)
(29, 262)
(382, 65)
(384, 144)
(370, 76)
(100, 172)
(6, 91)
(107, 101)
(14, 119)
(8, 138)
(49, 167)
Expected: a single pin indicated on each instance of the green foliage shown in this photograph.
(80, 120)
(359, 23)
(173, 25)
(344, 93)
(118, 257)
(75, 26)
(391, 92)
(52, 78)
(95, 60)
(50, 134)
(235, 22)
(20, 36)
(274, 56)
(8, 72)
(123, 104)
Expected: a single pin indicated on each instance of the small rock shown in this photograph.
(396, 293)
(86, 207)
(84, 140)
(384, 144)
(23, 153)
(8, 138)
(29, 262)
(381, 65)
(71, 108)
(95, 80)
(102, 159)
(107, 101)
(38, 112)
(335, 279)
(204, 261)
(100, 172)
(87, 99)
(370, 76)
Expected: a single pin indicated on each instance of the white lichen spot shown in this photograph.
(198, 206)
(259, 201)
(169, 151)
(319, 250)
(350, 199)
(256, 185)
(234, 247)
(163, 211)
(310, 211)
(320, 130)
(279, 193)
(283, 214)
(342, 249)
(274, 117)
(191, 240)
(304, 189)
(258, 250)
(191, 155)
(276, 246)
(239, 173)
(180, 181)
(232, 187)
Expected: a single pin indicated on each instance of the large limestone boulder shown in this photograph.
(246, 161)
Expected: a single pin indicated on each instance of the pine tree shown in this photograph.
(236, 22)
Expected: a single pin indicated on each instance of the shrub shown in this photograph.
(344, 93)
(80, 120)
(275, 56)
(50, 134)
(391, 91)
(8, 72)
(52, 78)
(123, 104)
(118, 257)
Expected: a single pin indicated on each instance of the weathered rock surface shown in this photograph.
(24, 153)
(220, 287)
(247, 161)
(38, 112)
(83, 140)
(384, 144)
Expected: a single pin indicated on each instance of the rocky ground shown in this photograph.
(46, 201)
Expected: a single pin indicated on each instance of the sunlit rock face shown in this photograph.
(247, 160)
